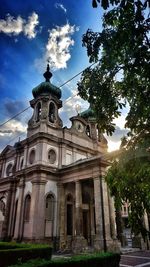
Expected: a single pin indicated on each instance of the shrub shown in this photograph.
(10, 253)
(91, 260)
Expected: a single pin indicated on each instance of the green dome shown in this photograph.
(45, 88)
(88, 113)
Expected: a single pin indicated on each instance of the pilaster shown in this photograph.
(18, 234)
(61, 215)
(99, 238)
(7, 215)
(79, 243)
(37, 211)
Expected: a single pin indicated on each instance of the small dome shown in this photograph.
(88, 113)
(46, 87)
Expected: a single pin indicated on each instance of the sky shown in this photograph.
(32, 33)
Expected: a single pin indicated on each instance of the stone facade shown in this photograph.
(51, 184)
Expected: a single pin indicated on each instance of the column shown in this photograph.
(61, 215)
(80, 243)
(99, 239)
(112, 218)
(106, 209)
(7, 215)
(37, 210)
(20, 210)
(78, 208)
(12, 211)
(92, 223)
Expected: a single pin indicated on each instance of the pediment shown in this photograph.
(7, 150)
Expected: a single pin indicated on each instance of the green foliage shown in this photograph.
(106, 3)
(14, 252)
(95, 260)
(129, 180)
(121, 53)
(122, 72)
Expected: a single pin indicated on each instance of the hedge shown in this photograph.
(91, 260)
(11, 253)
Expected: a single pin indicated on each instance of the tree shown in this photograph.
(122, 73)
(121, 53)
(128, 180)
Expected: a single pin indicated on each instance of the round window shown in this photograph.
(32, 156)
(51, 156)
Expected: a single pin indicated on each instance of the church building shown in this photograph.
(52, 186)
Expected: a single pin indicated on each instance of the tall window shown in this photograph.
(38, 112)
(32, 156)
(50, 204)
(9, 169)
(52, 112)
(27, 208)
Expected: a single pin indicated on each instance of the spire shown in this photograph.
(47, 75)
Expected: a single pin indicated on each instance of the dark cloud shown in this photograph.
(6, 131)
(12, 107)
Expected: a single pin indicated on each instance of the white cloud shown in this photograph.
(12, 26)
(29, 28)
(120, 121)
(58, 46)
(13, 127)
(61, 6)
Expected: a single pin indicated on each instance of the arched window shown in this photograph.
(52, 112)
(38, 112)
(50, 204)
(27, 208)
(69, 214)
(51, 156)
(88, 132)
(32, 156)
(9, 169)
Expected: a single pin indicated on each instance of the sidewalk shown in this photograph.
(135, 259)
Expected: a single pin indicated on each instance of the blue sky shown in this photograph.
(32, 32)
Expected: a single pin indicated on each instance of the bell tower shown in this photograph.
(45, 104)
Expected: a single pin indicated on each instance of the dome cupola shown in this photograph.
(46, 88)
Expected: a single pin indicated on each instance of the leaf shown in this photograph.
(94, 3)
(105, 4)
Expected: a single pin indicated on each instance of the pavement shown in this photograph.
(136, 259)
(128, 259)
